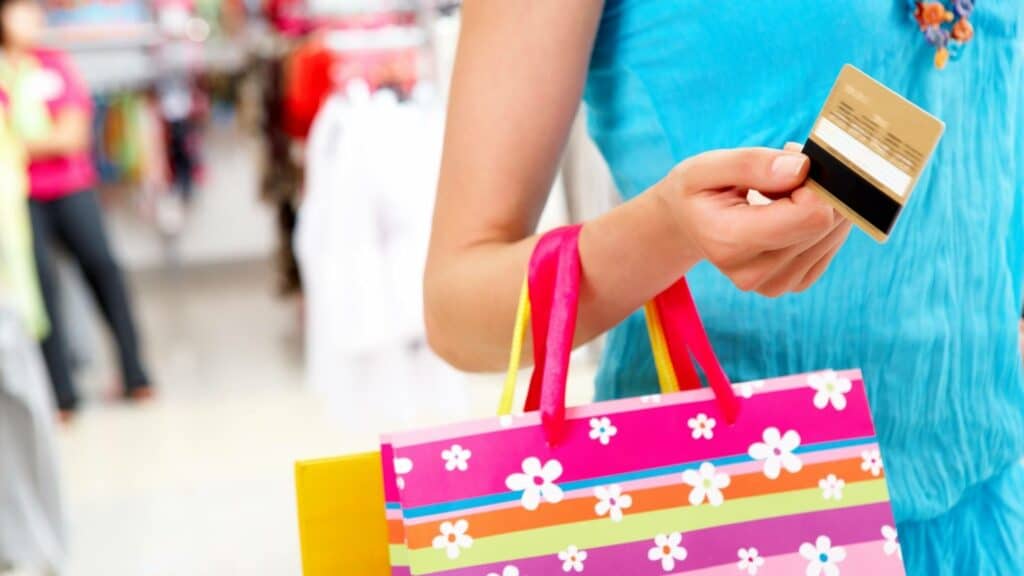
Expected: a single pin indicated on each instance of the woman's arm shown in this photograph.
(70, 134)
(519, 74)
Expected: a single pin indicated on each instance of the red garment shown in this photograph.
(287, 16)
(314, 71)
(307, 85)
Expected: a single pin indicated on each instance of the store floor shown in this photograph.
(200, 482)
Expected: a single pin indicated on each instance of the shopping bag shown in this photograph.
(394, 469)
(342, 527)
(776, 477)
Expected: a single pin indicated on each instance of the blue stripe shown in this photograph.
(506, 497)
(835, 445)
(392, 505)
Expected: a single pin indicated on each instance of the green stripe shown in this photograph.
(596, 534)
(399, 555)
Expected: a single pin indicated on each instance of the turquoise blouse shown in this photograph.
(930, 317)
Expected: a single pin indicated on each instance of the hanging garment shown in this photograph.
(32, 529)
(364, 226)
(18, 280)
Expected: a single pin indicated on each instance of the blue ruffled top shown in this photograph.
(931, 316)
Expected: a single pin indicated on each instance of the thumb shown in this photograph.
(763, 169)
(794, 219)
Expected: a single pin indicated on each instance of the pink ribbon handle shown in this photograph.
(554, 280)
(554, 284)
(545, 262)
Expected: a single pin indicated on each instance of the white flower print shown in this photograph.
(750, 560)
(611, 502)
(871, 461)
(456, 458)
(602, 430)
(668, 550)
(832, 389)
(832, 487)
(747, 388)
(702, 426)
(892, 541)
(537, 483)
(572, 559)
(707, 484)
(508, 571)
(453, 538)
(651, 399)
(403, 466)
(822, 557)
(777, 452)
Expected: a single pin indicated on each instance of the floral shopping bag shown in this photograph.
(394, 481)
(783, 479)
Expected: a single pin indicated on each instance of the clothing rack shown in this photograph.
(385, 39)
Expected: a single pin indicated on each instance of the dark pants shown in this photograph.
(181, 157)
(76, 222)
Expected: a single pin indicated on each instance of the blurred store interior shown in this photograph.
(267, 173)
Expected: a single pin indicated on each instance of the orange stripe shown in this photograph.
(509, 520)
(396, 532)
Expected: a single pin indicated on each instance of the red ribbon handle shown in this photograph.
(681, 323)
(554, 285)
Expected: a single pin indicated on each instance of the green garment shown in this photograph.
(27, 112)
(19, 283)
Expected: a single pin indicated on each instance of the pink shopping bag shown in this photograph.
(784, 478)
(394, 481)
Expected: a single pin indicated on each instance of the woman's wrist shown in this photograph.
(630, 255)
(668, 205)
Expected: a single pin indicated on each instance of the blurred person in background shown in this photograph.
(64, 207)
(679, 97)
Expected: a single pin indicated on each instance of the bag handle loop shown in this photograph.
(551, 295)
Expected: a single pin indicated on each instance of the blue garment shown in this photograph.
(930, 317)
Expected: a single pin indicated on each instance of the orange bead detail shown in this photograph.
(932, 14)
(963, 30)
(941, 58)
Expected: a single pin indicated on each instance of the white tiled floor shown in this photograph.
(200, 482)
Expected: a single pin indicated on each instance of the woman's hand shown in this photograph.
(770, 249)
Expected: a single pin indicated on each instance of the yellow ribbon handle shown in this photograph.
(662, 361)
(659, 345)
(518, 339)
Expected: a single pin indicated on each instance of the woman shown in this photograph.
(63, 206)
(930, 317)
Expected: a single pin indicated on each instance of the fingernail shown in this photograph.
(788, 164)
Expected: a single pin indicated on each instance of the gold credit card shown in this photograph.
(868, 149)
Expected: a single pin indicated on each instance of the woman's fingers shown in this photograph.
(774, 272)
(794, 220)
(821, 265)
(772, 249)
(803, 269)
(763, 169)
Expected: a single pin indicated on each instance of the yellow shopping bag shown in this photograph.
(342, 526)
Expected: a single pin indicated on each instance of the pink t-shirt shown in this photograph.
(63, 89)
